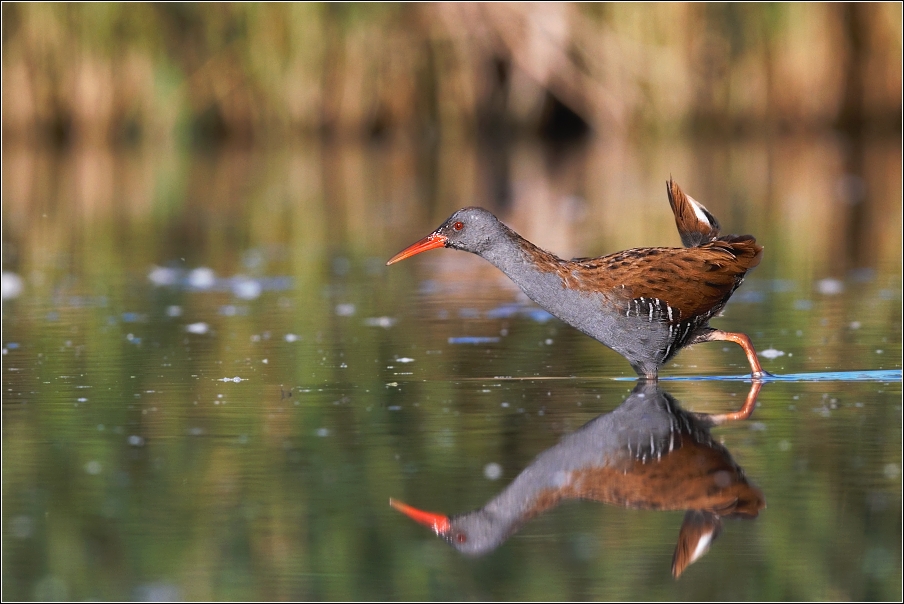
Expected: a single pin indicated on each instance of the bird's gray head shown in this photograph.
(472, 229)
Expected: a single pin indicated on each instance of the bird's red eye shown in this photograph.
(461, 537)
(458, 226)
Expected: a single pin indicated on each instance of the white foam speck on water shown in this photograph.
(855, 325)
(829, 287)
(245, 288)
(173, 311)
(323, 432)
(200, 327)
(202, 278)
(136, 441)
(93, 467)
(291, 337)
(11, 285)
(772, 353)
(345, 310)
(384, 322)
(405, 360)
(162, 276)
(492, 471)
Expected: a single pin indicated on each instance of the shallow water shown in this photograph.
(212, 384)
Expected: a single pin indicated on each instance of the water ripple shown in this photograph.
(881, 375)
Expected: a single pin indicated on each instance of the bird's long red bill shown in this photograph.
(438, 522)
(429, 242)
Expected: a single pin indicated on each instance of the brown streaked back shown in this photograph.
(695, 281)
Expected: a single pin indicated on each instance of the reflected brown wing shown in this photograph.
(694, 281)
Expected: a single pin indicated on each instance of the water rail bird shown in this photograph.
(644, 303)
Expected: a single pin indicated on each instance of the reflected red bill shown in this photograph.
(438, 522)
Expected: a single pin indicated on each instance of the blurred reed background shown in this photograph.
(130, 74)
(365, 121)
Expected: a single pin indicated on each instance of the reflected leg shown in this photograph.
(744, 412)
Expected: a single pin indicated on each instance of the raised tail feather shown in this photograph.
(695, 224)
(698, 531)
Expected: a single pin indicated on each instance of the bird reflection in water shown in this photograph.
(648, 453)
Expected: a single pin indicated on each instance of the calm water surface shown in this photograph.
(212, 385)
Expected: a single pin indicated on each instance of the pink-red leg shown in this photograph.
(744, 342)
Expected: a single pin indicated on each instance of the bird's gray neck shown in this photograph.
(528, 266)
(505, 513)
(551, 476)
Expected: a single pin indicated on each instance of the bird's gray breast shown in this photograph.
(636, 335)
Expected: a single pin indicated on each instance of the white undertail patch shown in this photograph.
(699, 210)
(702, 546)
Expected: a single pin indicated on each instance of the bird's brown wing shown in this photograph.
(695, 281)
